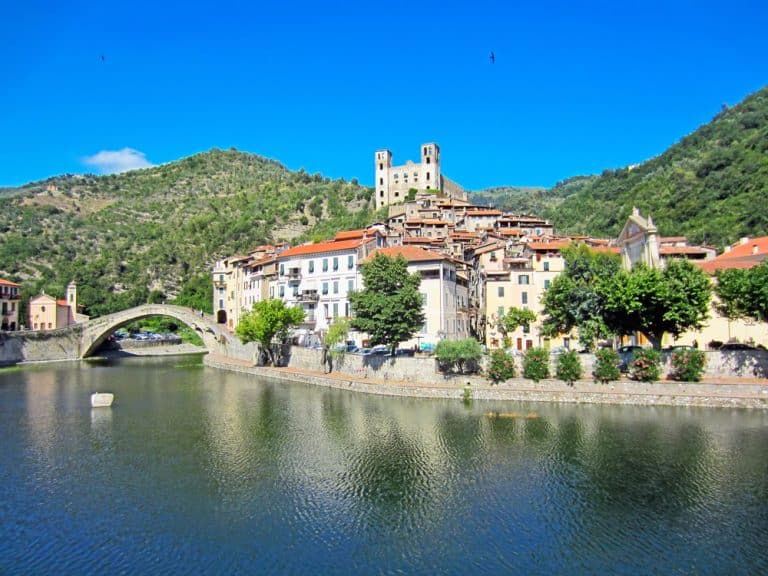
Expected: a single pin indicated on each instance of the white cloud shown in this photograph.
(116, 161)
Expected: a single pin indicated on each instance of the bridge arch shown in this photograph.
(98, 329)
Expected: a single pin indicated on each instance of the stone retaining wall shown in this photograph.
(40, 346)
(635, 393)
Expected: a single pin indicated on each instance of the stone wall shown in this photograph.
(48, 346)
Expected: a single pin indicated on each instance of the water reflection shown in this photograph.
(230, 472)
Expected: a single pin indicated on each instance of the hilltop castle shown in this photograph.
(394, 182)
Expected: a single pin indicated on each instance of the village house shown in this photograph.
(444, 289)
(10, 297)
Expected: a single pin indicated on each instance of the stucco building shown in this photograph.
(10, 299)
(49, 313)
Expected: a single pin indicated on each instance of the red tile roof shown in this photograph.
(556, 245)
(322, 247)
(350, 234)
(482, 213)
(8, 283)
(410, 253)
(683, 250)
(748, 248)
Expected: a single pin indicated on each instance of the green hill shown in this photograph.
(147, 233)
(711, 186)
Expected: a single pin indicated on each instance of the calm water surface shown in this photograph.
(196, 471)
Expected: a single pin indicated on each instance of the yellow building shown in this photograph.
(10, 297)
(48, 313)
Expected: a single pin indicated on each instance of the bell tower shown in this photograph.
(383, 163)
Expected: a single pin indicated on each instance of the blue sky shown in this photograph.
(576, 87)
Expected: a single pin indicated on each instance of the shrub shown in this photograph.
(462, 354)
(569, 367)
(502, 366)
(645, 366)
(536, 364)
(606, 366)
(687, 365)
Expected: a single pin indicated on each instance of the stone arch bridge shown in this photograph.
(82, 340)
(96, 331)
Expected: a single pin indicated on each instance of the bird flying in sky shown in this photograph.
(493, 57)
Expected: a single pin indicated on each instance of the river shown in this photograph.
(199, 471)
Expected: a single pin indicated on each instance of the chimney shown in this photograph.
(755, 249)
(744, 240)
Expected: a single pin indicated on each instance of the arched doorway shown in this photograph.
(221, 317)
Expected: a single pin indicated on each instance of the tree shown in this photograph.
(573, 301)
(268, 320)
(744, 292)
(656, 302)
(389, 307)
(512, 319)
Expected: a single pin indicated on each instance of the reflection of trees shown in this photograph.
(660, 469)
(389, 471)
(335, 412)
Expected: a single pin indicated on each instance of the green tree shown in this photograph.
(269, 320)
(512, 319)
(573, 300)
(656, 302)
(389, 307)
(337, 335)
(744, 292)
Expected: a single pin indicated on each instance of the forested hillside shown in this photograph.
(711, 186)
(145, 234)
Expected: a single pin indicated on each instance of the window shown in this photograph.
(325, 287)
(335, 263)
(523, 279)
(428, 159)
(501, 291)
(381, 193)
(282, 269)
(427, 179)
(282, 291)
(546, 284)
(335, 309)
(325, 264)
(524, 296)
(42, 308)
(346, 309)
(350, 262)
(311, 266)
(335, 286)
(381, 166)
(501, 311)
(350, 286)
(546, 266)
(381, 181)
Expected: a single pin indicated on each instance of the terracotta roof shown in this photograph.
(8, 283)
(748, 248)
(510, 231)
(667, 239)
(434, 222)
(683, 250)
(321, 247)
(607, 249)
(62, 303)
(482, 213)
(410, 253)
(711, 266)
(556, 245)
(350, 234)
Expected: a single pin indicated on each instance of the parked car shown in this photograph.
(735, 346)
(626, 354)
(363, 352)
(380, 349)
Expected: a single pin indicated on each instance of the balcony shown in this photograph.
(294, 274)
(309, 296)
(308, 322)
(9, 296)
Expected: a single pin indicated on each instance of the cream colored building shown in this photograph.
(445, 293)
(10, 297)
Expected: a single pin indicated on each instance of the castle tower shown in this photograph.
(430, 167)
(383, 160)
